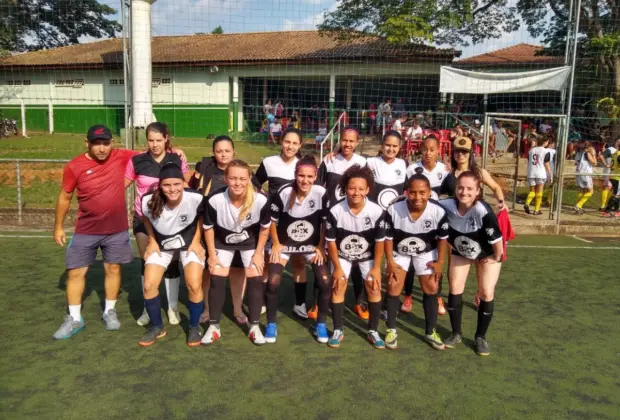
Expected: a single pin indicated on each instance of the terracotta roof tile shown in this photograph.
(519, 54)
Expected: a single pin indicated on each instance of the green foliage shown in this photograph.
(217, 30)
(610, 107)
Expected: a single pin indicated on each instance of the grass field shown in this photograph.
(553, 338)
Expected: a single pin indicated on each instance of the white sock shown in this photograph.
(172, 292)
(74, 311)
(109, 304)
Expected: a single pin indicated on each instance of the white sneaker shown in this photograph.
(301, 311)
(144, 318)
(256, 335)
(213, 333)
(174, 316)
(263, 310)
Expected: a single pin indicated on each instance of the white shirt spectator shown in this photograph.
(544, 128)
(415, 132)
(275, 128)
(397, 126)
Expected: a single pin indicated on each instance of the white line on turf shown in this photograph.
(582, 239)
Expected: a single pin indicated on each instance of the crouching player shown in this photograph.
(419, 228)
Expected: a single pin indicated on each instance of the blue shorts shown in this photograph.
(82, 249)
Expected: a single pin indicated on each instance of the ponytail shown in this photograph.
(157, 202)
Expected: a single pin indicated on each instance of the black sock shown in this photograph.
(217, 296)
(485, 314)
(324, 287)
(271, 292)
(409, 279)
(142, 263)
(256, 290)
(393, 303)
(429, 302)
(300, 293)
(374, 309)
(358, 289)
(338, 315)
(455, 310)
(315, 294)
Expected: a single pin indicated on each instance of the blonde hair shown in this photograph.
(248, 201)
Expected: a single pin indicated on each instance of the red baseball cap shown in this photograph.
(99, 132)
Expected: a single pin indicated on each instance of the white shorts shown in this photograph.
(584, 181)
(536, 181)
(420, 262)
(365, 267)
(164, 258)
(226, 256)
(284, 257)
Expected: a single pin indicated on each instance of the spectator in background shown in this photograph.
(415, 131)
(544, 127)
(385, 113)
(574, 137)
(399, 123)
(315, 116)
(267, 108)
(372, 117)
(399, 107)
(275, 130)
(279, 109)
(321, 133)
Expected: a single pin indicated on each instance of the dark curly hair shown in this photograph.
(418, 177)
(357, 171)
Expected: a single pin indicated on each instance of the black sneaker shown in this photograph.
(154, 333)
(193, 337)
(526, 208)
(482, 347)
(452, 341)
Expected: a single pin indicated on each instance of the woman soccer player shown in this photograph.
(236, 220)
(419, 228)
(171, 217)
(298, 211)
(388, 170)
(538, 174)
(143, 169)
(584, 160)
(475, 238)
(355, 234)
(607, 161)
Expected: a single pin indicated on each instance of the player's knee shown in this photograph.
(112, 269)
(373, 295)
(486, 294)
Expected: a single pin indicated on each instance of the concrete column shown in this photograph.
(332, 98)
(349, 97)
(50, 115)
(235, 95)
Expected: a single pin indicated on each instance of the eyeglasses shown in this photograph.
(461, 152)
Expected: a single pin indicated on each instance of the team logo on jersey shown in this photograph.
(174, 242)
(439, 176)
(311, 204)
(183, 218)
(328, 225)
(367, 221)
(490, 231)
(339, 194)
(386, 197)
(419, 170)
(467, 247)
(354, 245)
(248, 216)
(472, 223)
(300, 231)
(411, 246)
(274, 208)
(444, 226)
(398, 172)
(235, 238)
(427, 224)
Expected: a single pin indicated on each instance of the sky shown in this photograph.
(185, 17)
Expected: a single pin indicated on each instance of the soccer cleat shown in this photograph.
(174, 316)
(434, 340)
(256, 336)
(153, 334)
(193, 337)
(361, 312)
(537, 213)
(526, 208)
(578, 210)
(336, 339)
(110, 320)
(407, 304)
(441, 308)
(144, 319)
(313, 313)
(375, 339)
(212, 334)
(68, 328)
(452, 341)
(271, 332)
(320, 332)
(607, 215)
(391, 339)
(482, 347)
(300, 311)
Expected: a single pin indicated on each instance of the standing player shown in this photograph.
(97, 176)
(355, 234)
(171, 217)
(236, 220)
(475, 238)
(584, 160)
(538, 174)
(607, 161)
(419, 228)
(298, 211)
(388, 171)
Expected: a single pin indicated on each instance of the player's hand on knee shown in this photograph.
(258, 261)
(274, 257)
(339, 279)
(319, 258)
(151, 248)
(374, 277)
(213, 263)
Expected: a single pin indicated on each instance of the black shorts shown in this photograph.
(614, 186)
(138, 225)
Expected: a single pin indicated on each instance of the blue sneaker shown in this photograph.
(271, 332)
(375, 339)
(320, 332)
(336, 339)
(69, 328)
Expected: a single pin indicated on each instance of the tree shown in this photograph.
(28, 25)
(218, 30)
(453, 22)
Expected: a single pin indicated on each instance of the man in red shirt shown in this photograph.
(98, 178)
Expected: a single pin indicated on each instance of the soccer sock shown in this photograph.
(75, 312)
(172, 291)
(604, 197)
(579, 197)
(153, 308)
(583, 200)
(315, 295)
(409, 279)
(485, 314)
(300, 293)
(374, 309)
(195, 310)
(109, 304)
(538, 202)
(217, 296)
(393, 302)
(455, 310)
(324, 286)
(256, 292)
(271, 292)
(358, 288)
(429, 302)
(530, 197)
(338, 315)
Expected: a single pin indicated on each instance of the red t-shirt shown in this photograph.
(100, 192)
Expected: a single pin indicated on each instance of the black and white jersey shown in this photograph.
(414, 237)
(175, 228)
(299, 226)
(389, 180)
(536, 159)
(277, 172)
(472, 235)
(355, 235)
(436, 177)
(230, 233)
(330, 174)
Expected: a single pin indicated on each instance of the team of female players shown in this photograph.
(343, 218)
